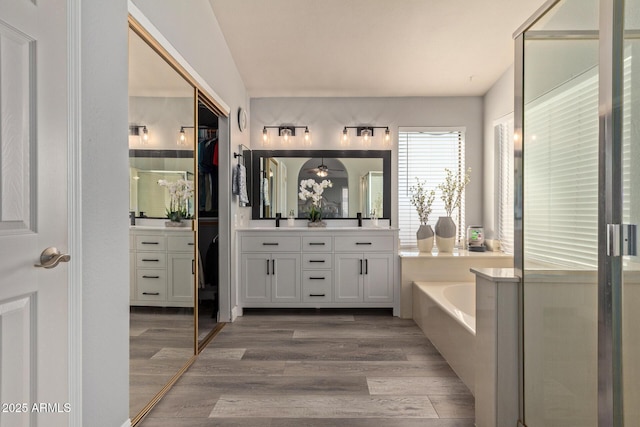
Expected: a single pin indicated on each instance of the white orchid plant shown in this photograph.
(312, 190)
(180, 192)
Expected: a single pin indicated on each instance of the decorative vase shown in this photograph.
(175, 223)
(424, 235)
(445, 234)
(291, 222)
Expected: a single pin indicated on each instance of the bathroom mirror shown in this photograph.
(360, 182)
(162, 277)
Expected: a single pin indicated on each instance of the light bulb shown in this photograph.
(322, 173)
(306, 135)
(145, 135)
(183, 137)
(344, 135)
(264, 134)
(387, 135)
(365, 135)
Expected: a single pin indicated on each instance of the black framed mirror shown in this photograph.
(361, 182)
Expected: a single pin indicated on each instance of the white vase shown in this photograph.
(445, 234)
(424, 237)
(175, 223)
(291, 222)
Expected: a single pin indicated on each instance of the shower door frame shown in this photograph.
(611, 41)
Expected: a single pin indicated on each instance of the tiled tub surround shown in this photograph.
(445, 311)
(474, 327)
(447, 267)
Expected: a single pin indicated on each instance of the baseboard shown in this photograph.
(235, 312)
(127, 423)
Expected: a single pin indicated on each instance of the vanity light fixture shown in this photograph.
(287, 132)
(367, 133)
(182, 136)
(134, 130)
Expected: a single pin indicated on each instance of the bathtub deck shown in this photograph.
(318, 369)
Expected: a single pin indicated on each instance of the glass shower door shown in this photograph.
(560, 217)
(630, 316)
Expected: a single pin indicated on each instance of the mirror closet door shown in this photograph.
(162, 142)
(208, 207)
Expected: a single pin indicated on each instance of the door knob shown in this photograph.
(51, 257)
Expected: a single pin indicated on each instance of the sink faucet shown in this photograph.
(278, 216)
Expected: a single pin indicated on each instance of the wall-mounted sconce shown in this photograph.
(366, 133)
(287, 133)
(143, 137)
(182, 136)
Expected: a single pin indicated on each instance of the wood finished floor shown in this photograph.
(317, 369)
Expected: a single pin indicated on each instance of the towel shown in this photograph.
(235, 188)
(242, 184)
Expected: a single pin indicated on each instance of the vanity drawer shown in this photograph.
(317, 243)
(180, 243)
(364, 243)
(151, 260)
(151, 243)
(317, 286)
(270, 244)
(151, 285)
(317, 261)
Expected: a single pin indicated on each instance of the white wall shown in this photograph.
(105, 202)
(498, 102)
(192, 28)
(326, 117)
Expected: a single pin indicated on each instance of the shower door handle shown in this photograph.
(622, 239)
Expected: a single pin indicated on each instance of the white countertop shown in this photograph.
(458, 253)
(497, 274)
(156, 228)
(316, 229)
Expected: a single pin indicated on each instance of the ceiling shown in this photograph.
(371, 47)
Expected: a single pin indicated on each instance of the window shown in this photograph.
(424, 153)
(561, 172)
(504, 182)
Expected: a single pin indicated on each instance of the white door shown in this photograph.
(348, 277)
(285, 277)
(33, 213)
(255, 277)
(378, 277)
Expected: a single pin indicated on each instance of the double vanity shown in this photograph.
(300, 267)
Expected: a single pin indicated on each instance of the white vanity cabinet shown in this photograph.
(162, 267)
(331, 267)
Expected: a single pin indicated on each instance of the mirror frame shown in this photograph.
(385, 155)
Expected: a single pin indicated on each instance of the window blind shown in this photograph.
(561, 172)
(425, 153)
(505, 182)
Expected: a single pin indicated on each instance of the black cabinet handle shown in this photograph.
(316, 278)
(273, 269)
(193, 266)
(316, 243)
(316, 260)
(151, 293)
(316, 295)
(150, 260)
(269, 244)
(363, 243)
(150, 243)
(190, 244)
(267, 267)
(366, 266)
(150, 277)
(360, 266)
